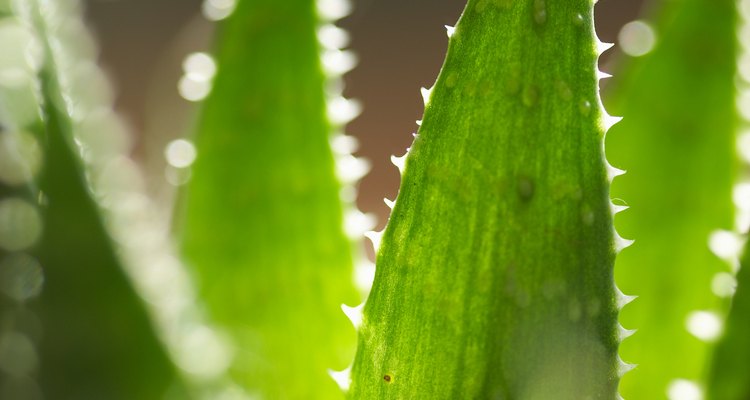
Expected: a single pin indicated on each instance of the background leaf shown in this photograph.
(677, 143)
(78, 337)
(262, 217)
(730, 369)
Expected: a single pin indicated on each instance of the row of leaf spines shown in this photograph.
(116, 183)
(336, 61)
(606, 123)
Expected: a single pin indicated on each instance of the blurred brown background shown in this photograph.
(401, 45)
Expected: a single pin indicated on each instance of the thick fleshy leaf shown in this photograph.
(495, 274)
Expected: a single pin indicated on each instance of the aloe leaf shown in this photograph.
(87, 334)
(677, 143)
(728, 377)
(262, 220)
(494, 278)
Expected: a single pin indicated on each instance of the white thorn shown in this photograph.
(623, 299)
(354, 314)
(450, 30)
(617, 208)
(399, 162)
(609, 121)
(613, 172)
(623, 367)
(426, 95)
(419, 122)
(623, 333)
(622, 243)
(375, 237)
(601, 47)
(342, 378)
(602, 75)
(389, 203)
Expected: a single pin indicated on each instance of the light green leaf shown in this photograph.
(495, 279)
(677, 143)
(262, 224)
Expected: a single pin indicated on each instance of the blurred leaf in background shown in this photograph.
(72, 321)
(263, 227)
(676, 141)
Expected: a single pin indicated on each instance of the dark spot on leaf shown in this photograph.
(525, 188)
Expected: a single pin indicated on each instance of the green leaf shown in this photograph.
(99, 340)
(87, 334)
(495, 279)
(677, 143)
(730, 369)
(262, 226)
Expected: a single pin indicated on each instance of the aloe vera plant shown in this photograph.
(495, 271)
(262, 223)
(677, 141)
(495, 275)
